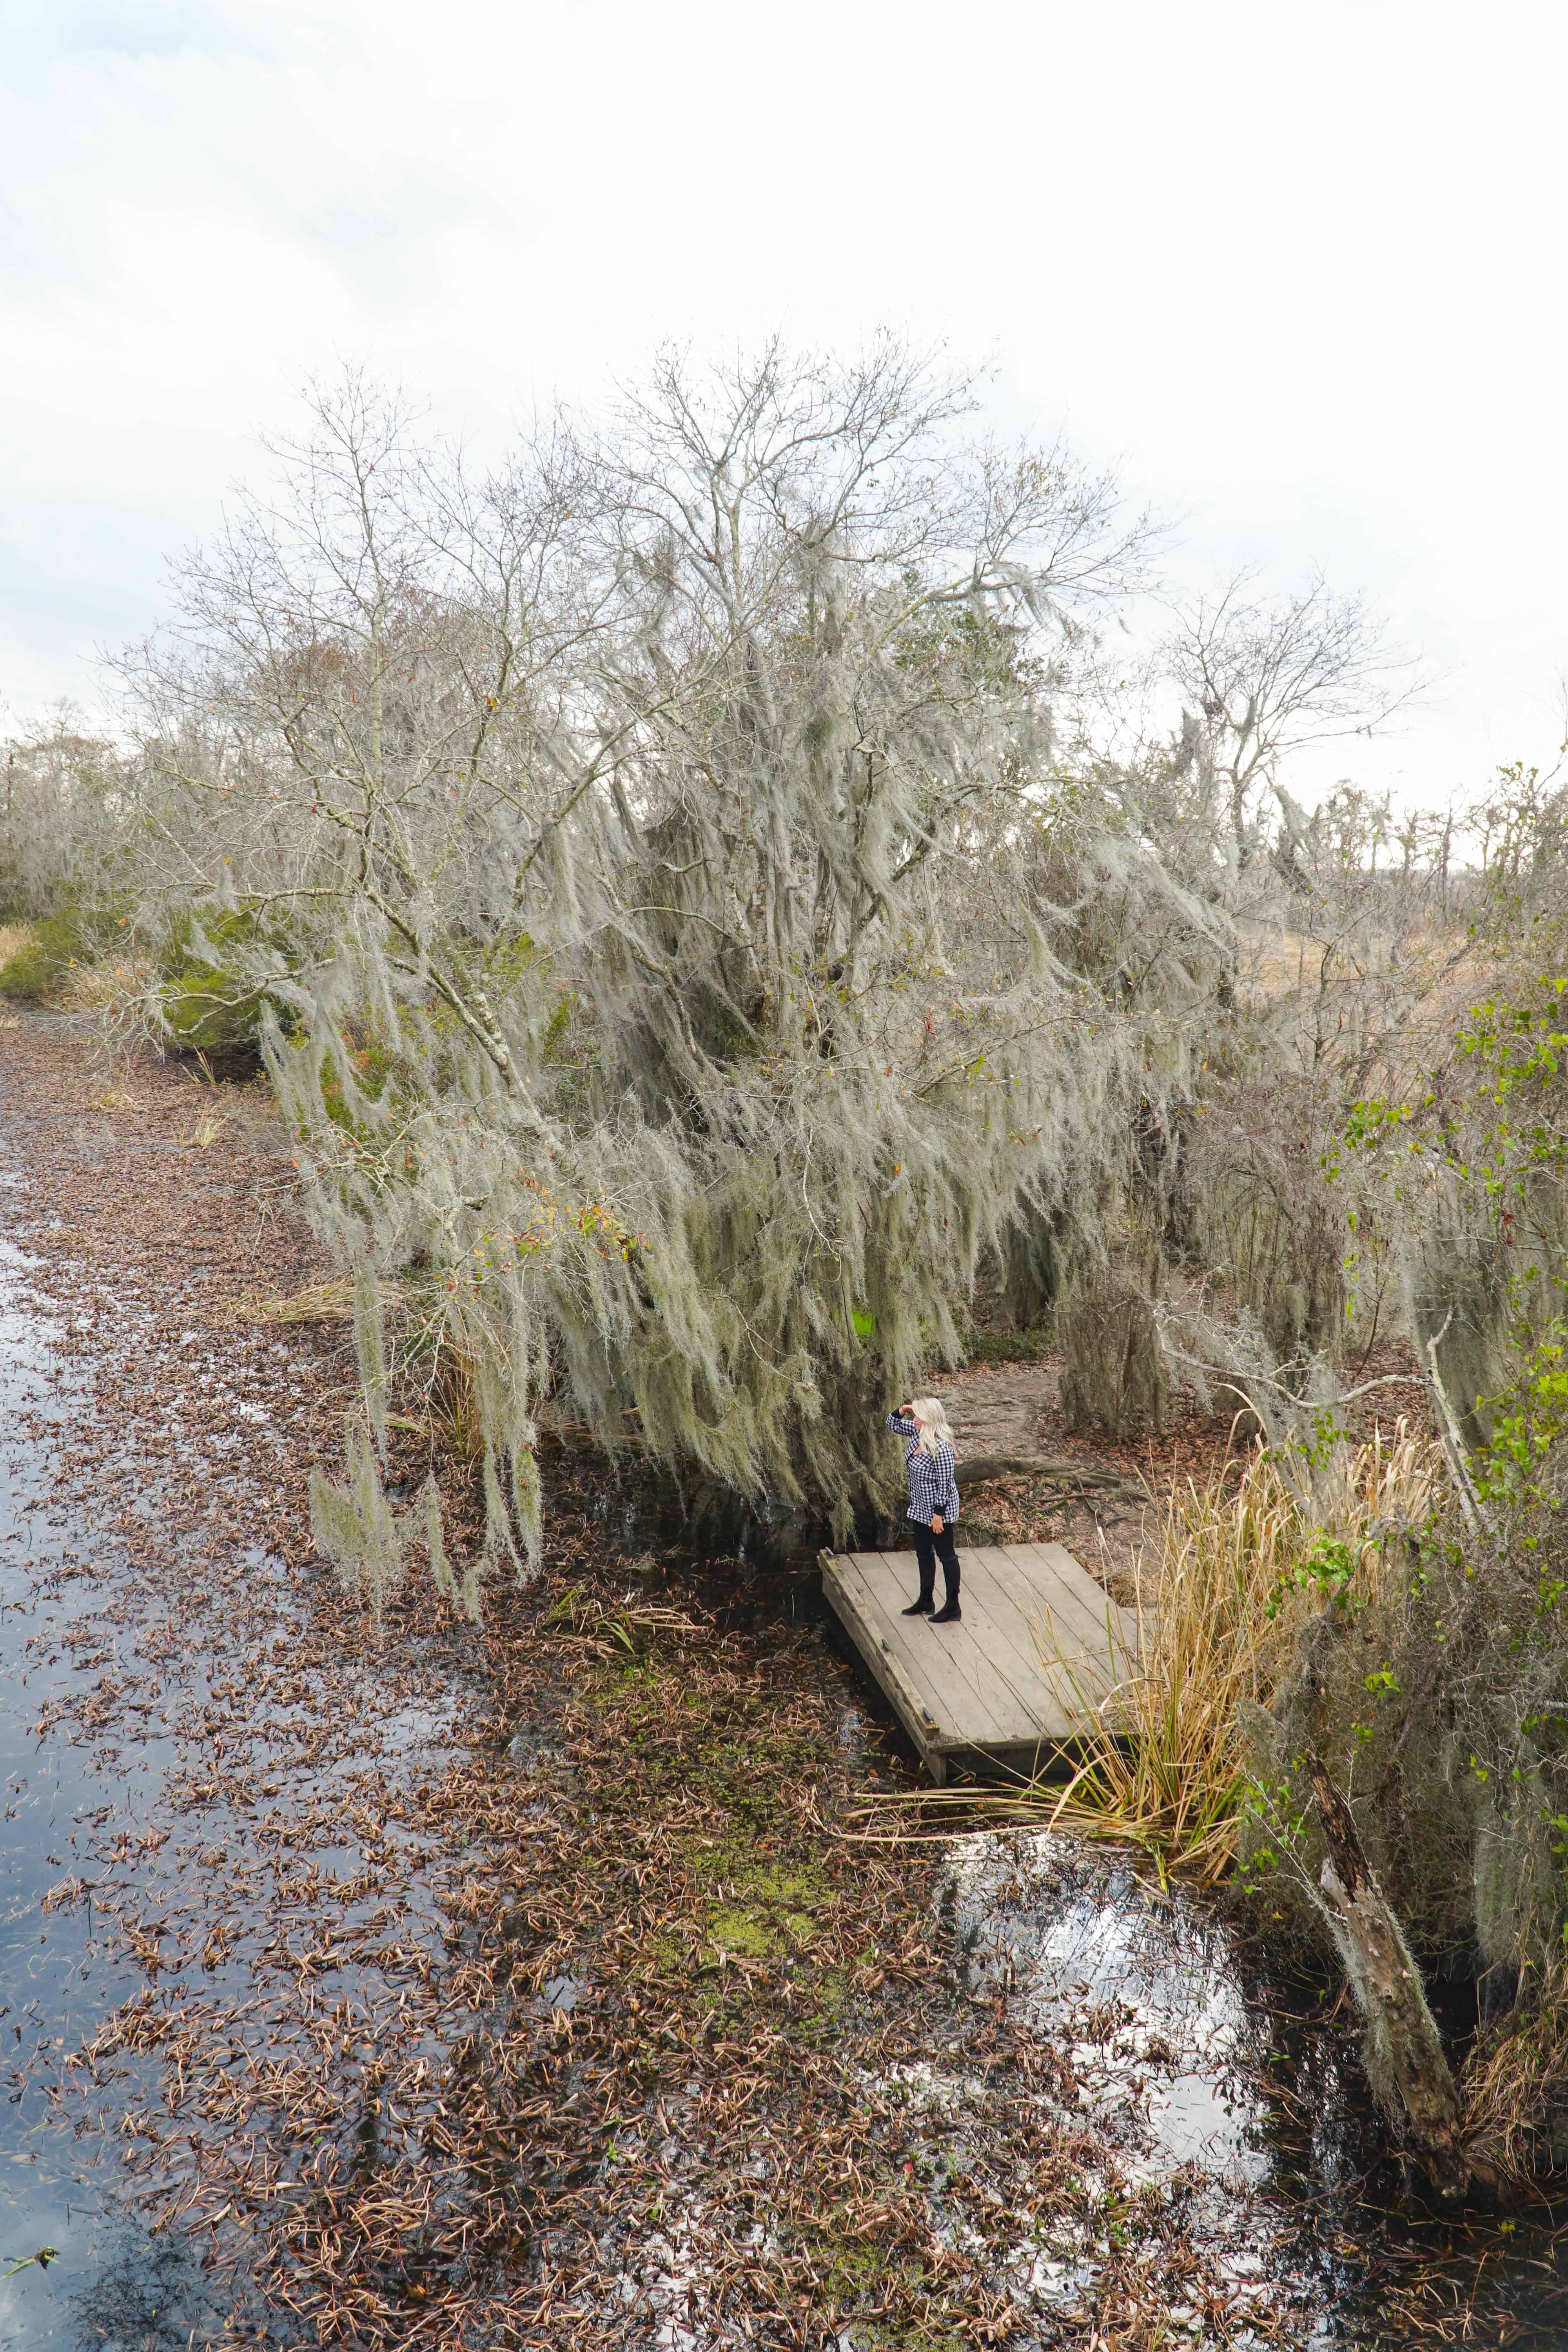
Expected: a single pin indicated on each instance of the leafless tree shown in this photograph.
(1260, 680)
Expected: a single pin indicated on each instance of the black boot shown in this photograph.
(950, 1612)
(923, 1607)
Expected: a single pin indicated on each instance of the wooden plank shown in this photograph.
(1074, 1575)
(954, 1680)
(1017, 1606)
(1036, 1717)
(980, 1689)
(1092, 1661)
(990, 1682)
(980, 1674)
(1064, 1693)
(949, 1673)
(1080, 1607)
(886, 1641)
(915, 1717)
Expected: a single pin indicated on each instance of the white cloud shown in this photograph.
(1297, 270)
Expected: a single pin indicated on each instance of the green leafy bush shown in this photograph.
(210, 1006)
(56, 942)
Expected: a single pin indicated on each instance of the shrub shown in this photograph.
(38, 969)
(1177, 1756)
(207, 1005)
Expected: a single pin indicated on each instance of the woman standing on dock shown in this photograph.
(933, 1503)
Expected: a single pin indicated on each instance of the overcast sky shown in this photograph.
(1298, 271)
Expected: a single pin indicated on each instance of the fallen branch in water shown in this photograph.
(1406, 2061)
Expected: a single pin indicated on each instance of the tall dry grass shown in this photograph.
(1163, 1763)
(15, 938)
(1240, 1564)
(108, 987)
(1512, 2085)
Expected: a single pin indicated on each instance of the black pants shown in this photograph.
(928, 1549)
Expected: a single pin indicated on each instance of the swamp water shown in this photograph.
(76, 2265)
(1189, 2069)
(110, 1841)
(1220, 2098)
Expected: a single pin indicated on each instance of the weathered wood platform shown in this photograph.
(987, 1692)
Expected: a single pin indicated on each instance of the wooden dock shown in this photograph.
(987, 1692)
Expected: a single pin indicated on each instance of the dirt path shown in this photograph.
(1013, 1410)
(522, 1986)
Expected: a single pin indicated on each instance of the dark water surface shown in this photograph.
(72, 1810)
(159, 1812)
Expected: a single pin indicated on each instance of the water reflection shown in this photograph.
(66, 1811)
(1212, 2092)
(1138, 1986)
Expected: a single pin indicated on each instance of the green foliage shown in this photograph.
(1529, 1418)
(57, 942)
(1329, 1570)
(211, 997)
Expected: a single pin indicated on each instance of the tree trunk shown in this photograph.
(1410, 2074)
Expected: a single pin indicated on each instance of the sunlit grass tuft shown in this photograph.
(108, 986)
(205, 1131)
(1164, 1764)
(1241, 1562)
(319, 1302)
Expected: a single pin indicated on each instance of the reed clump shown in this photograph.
(1516, 2091)
(1242, 1562)
(319, 1302)
(111, 986)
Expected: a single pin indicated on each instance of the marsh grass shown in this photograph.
(1164, 1763)
(104, 987)
(454, 1404)
(331, 1301)
(23, 971)
(1240, 1565)
(1513, 2085)
(205, 1131)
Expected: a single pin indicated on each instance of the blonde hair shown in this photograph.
(933, 1422)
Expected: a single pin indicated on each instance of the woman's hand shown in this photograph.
(936, 1523)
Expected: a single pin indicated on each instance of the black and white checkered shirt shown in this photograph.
(932, 1485)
